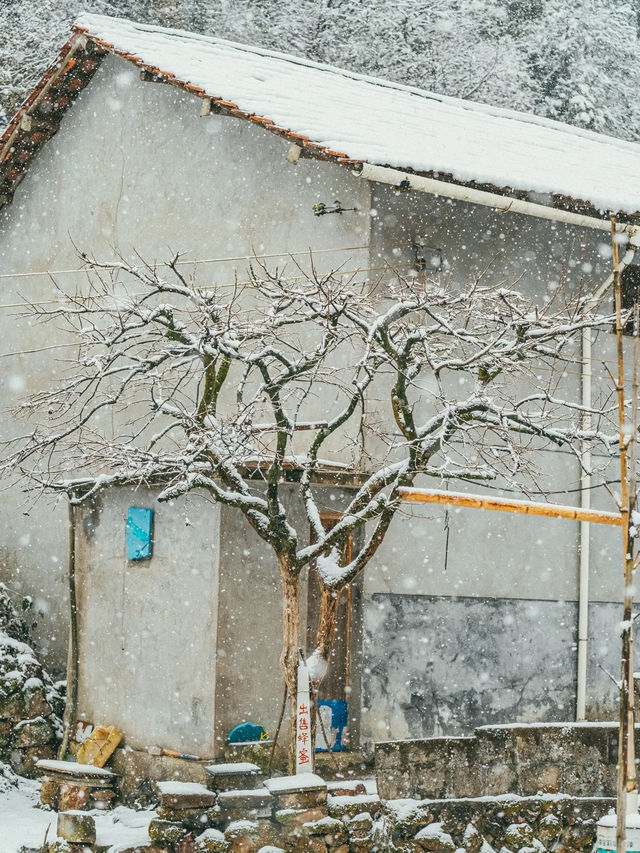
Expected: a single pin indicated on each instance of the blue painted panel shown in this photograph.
(335, 730)
(139, 528)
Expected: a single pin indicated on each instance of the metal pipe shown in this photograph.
(585, 504)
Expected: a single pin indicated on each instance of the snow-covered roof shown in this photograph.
(352, 117)
(338, 115)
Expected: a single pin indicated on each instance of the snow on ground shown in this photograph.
(23, 823)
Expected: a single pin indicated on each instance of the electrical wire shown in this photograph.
(197, 261)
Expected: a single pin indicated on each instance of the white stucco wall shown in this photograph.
(135, 168)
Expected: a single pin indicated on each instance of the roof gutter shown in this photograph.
(503, 204)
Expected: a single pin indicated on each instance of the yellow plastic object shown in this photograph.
(99, 746)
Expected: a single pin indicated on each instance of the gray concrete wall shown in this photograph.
(147, 628)
(444, 665)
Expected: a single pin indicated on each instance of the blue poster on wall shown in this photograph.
(139, 530)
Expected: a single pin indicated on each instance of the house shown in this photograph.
(142, 139)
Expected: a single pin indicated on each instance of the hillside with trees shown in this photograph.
(572, 60)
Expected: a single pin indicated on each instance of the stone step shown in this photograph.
(234, 776)
(293, 784)
(184, 795)
(304, 791)
(251, 804)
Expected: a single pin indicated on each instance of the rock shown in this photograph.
(298, 817)
(13, 706)
(185, 795)
(36, 701)
(519, 835)
(471, 839)
(307, 844)
(343, 788)
(360, 845)
(59, 846)
(32, 755)
(73, 797)
(139, 848)
(548, 828)
(405, 822)
(103, 795)
(333, 831)
(253, 804)
(295, 784)
(188, 815)
(49, 790)
(166, 831)
(248, 836)
(350, 806)
(193, 819)
(360, 825)
(76, 827)
(234, 776)
(434, 839)
(38, 732)
(301, 800)
(211, 841)
(250, 840)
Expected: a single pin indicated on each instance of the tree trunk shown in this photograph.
(326, 625)
(324, 641)
(290, 646)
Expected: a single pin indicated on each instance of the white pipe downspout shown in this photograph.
(585, 503)
(503, 204)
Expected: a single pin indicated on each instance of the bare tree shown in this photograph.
(215, 386)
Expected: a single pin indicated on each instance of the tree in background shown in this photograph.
(571, 60)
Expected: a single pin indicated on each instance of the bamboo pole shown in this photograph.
(572, 513)
(71, 703)
(626, 780)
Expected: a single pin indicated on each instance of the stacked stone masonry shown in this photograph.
(575, 759)
(514, 789)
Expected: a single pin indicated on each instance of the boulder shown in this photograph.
(211, 841)
(76, 827)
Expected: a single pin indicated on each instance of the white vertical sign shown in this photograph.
(304, 755)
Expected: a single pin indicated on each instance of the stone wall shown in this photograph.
(509, 823)
(348, 822)
(577, 759)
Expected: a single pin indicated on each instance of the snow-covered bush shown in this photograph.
(30, 704)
